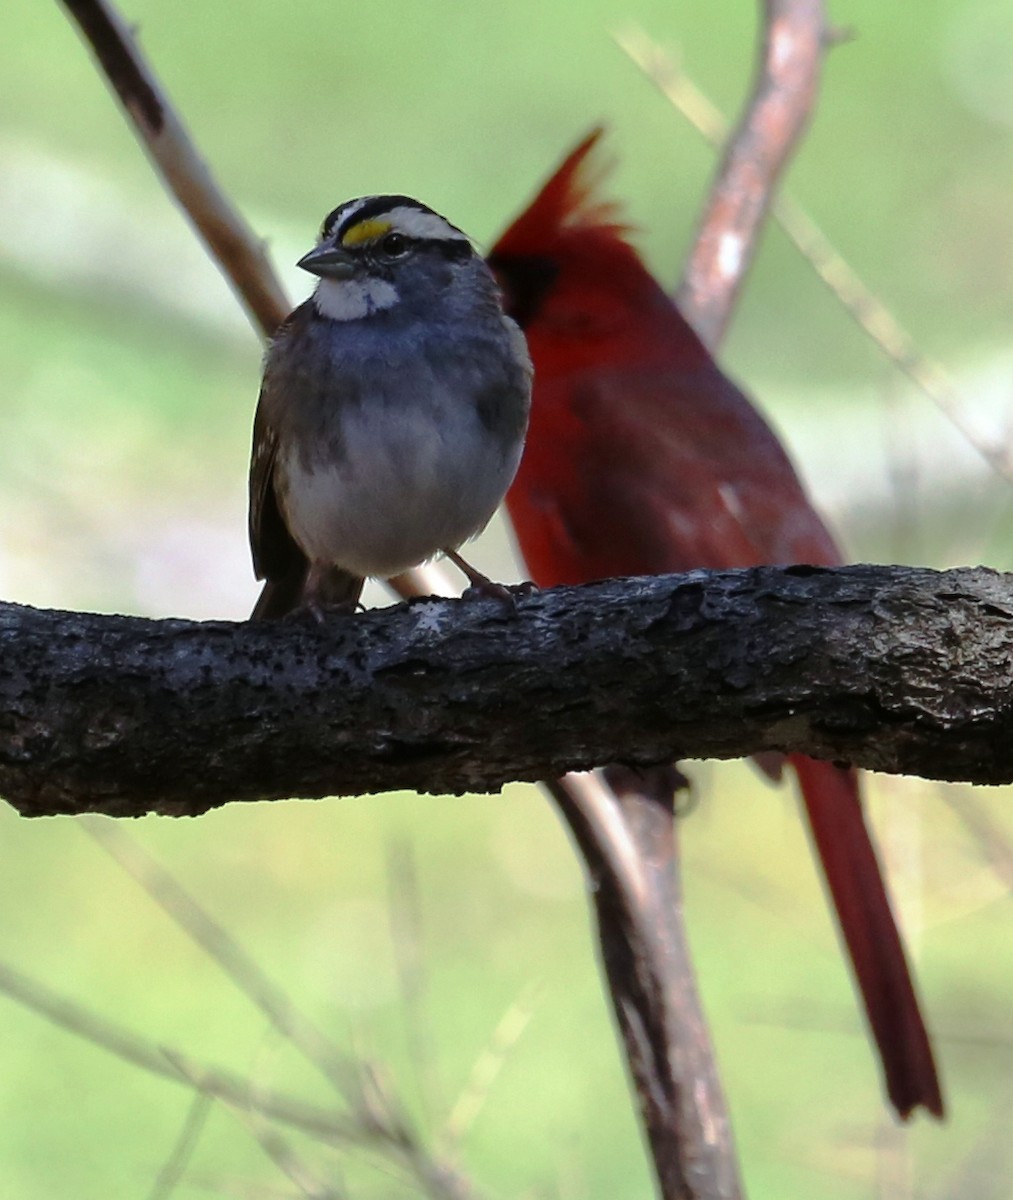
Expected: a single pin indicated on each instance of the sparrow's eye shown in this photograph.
(394, 245)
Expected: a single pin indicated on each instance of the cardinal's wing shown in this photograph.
(669, 470)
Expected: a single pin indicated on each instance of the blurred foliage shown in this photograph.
(128, 380)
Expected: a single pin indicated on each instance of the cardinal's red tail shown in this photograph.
(863, 910)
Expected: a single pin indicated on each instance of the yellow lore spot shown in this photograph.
(365, 231)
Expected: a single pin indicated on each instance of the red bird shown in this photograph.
(643, 458)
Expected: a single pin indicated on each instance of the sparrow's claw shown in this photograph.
(486, 589)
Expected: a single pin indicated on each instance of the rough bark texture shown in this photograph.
(893, 668)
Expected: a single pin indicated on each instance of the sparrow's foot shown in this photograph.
(316, 609)
(487, 590)
(311, 610)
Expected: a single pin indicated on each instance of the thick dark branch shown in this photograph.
(894, 668)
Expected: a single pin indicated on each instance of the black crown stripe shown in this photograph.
(374, 207)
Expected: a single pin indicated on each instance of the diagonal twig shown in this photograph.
(229, 240)
(775, 118)
(469, 1103)
(172, 1170)
(325, 1124)
(278, 1149)
(291, 1164)
(223, 949)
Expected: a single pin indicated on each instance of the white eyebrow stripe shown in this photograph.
(417, 223)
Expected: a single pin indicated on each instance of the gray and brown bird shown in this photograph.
(392, 411)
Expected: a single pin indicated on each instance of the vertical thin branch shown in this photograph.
(777, 113)
(629, 849)
(404, 914)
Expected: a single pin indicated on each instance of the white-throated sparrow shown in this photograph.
(392, 411)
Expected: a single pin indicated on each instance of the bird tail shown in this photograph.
(280, 596)
(867, 924)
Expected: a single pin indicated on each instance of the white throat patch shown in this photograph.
(352, 299)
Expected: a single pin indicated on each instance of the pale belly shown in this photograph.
(408, 486)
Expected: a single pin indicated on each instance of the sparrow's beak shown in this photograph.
(329, 262)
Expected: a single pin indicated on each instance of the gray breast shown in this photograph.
(394, 448)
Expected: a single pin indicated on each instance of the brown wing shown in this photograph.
(273, 547)
(277, 557)
(275, 552)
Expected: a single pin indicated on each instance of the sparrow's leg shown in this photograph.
(330, 589)
(482, 585)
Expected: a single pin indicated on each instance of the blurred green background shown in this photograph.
(129, 378)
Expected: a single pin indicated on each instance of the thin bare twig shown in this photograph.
(865, 308)
(229, 240)
(775, 117)
(487, 1067)
(182, 1151)
(223, 949)
(279, 1150)
(291, 1164)
(328, 1125)
(404, 909)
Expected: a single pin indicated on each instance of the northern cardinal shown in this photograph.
(644, 458)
